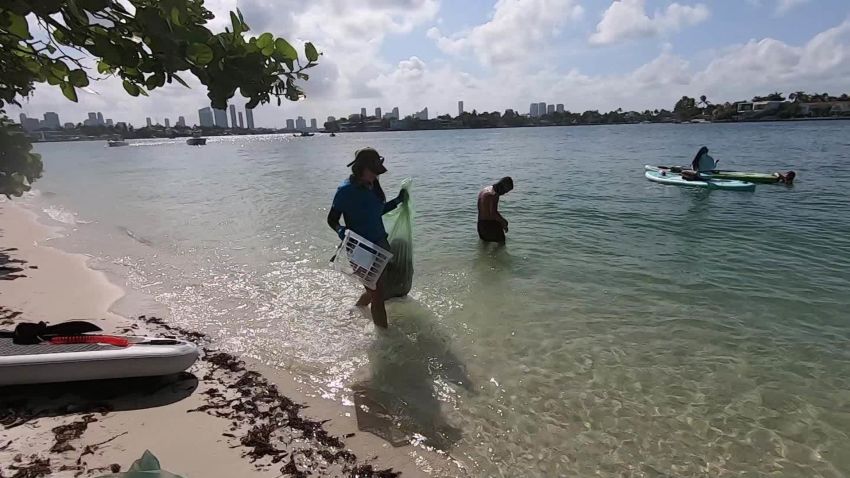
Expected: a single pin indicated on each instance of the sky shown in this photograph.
(500, 54)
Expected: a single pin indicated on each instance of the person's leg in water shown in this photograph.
(379, 311)
(364, 299)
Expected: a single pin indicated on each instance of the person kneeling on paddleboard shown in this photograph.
(361, 202)
(787, 178)
(702, 163)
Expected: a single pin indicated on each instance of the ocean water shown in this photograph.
(626, 329)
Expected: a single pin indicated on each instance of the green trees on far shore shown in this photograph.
(145, 46)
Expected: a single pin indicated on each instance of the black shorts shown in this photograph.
(491, 231)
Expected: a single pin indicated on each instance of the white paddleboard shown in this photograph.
(51, 363)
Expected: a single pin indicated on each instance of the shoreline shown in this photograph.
(289, 133)
(190, 423)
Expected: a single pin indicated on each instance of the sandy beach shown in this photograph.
(223, 417)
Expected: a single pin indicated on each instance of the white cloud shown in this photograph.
(627, 19)
(353, 74)
(784, 6)
(516, 31)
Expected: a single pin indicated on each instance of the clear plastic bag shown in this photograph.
(398, 275)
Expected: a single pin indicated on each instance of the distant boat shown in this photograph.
(699, 121)
(303, 134)
(114, 143)
(196, 141)
(333, 135)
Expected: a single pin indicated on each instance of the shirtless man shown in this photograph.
(491, 225)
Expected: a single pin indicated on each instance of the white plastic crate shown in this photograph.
(361, 259)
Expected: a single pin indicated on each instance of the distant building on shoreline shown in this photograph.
(205, 118)
(460, 108)
(220, 118)
(241, 123)
(51, 120)
(249, 117)
(290, 124)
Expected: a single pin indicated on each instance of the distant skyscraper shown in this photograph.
(99, 118)
(378, 112)
(181, 122)
(147, 121)
(29, 124)
(220, 118)
(541, 109)
(300, 124)
(70, 125)
(51, 120)
(363, 113)
(241, 123)
(423, 115)
(109, 122)
(232, 116)
(560, 108)
(460, 108)
(205, 117)
(290, 123)
(92, 121)
(167, 123)
(314, 124)
(249, 117)
(533, 111)
(395, 113)
(550, 109)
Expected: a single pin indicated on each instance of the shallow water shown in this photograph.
(627, 328)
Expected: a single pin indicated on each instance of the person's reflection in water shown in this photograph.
(398, 400)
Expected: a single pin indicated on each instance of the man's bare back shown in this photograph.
(488, 205)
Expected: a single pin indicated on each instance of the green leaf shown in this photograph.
(32, 65)
(155, 81)
(18, 25)
(175, 16)
(78, 78)
(310, 51)
(69, 91)
(265, 40)
(285, 49)
(131, 88)
(268, 51)
(236, 24)
(199, 53)
(179, 80)
(60, 69)
(103, 67)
